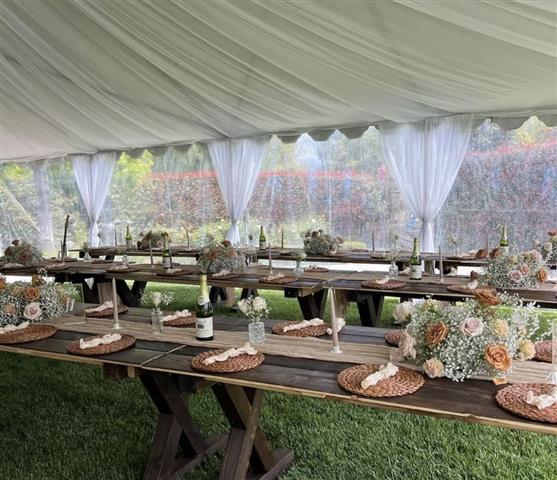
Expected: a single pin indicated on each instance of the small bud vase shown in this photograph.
(298, 269)
(156, 320)
(393, 270)
(256, 332)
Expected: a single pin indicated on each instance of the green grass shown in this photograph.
(60, 420)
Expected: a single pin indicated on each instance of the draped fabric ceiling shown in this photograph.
(81, 76)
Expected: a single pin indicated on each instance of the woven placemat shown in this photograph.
(180, 321)
(404, 382)
(225, 277)
(101, 260)
(241, 363)
(125, 342)
(390, 285)
(32, 333)
(392, 337)
(314, 331)
(107, 313)
(279, 281)
(179, 273)
(316, 270)
(544, 351)
(513, 399)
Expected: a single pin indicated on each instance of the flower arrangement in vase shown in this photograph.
(255, 308)
(472, 338)
(157, 299)
(153, 238)
(525, 270)
(549, 248)
(316, 242)
(218, 257)
(23, 253)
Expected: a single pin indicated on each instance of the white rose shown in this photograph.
(434, 368)
(259, 304)
(32, 311)
(243, 306)
(548, 246)
(472, 326)
(403, 311)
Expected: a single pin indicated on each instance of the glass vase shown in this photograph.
(256, 332)
(298, 269)
(87, 257)
(156, 320)
(393, 270)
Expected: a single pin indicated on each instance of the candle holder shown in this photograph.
(552, 377)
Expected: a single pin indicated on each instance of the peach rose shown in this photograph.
(498, 357)
(515, 276)
(525, 269)
(9, 309)
(501, 328)
(436, 333)
(32, 311)
(542, 275)
(434, 368)
(17, 290)
(2, 282)
(36, 281)
(32, 294)
(527, 350)
(487, 296)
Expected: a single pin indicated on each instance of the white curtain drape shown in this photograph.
(237, 163)
(424, 159)
(92, 174)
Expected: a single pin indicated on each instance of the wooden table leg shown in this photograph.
(370, 306)
(246, 447)
(313, 306)
(178, 445)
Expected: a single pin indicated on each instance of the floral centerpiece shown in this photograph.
(316, 242)
(403, 312)
(255, 308)
(23, 252)
(472, 338)
(525, 270)
(218, 257)
(35, 301)
(549, 247)
(157, 299)
(155, 237)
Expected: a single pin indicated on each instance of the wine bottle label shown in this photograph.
(204, 327)
(262, 245)
(504, 250)
(166, 262)
(416, 272)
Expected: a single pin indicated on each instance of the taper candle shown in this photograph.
(151, 254)
(334, 327)
(270, 260)
(116, 325)
(440, 265)
(282, 239)
(188, 237)
(373, 240)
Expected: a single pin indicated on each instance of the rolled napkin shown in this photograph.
(95, 342)
(119, 268)
(222, 273)
(340, 325)
(12, 265)
(13, 328)
(472, 285)
(542, 401)
(382, 281)
(405, 271)
(274, 276)
(175, 315)
(247, 349)
(384, 372)
(453, 272)
(315, 322)
(103, 306)
(172, 270)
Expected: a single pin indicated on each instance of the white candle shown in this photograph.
(151, 254)
(373, 241)
(440, 265)
(486, 241)
(334, 327)
(188, 237)
(282, 239)
(270, 260)
(116, 325)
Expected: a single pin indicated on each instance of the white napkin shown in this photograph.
(13, 328)
(542, 401)
(274, 276)
(12, 265)
(247, 349)
(382, 281)
(453, 272)
(340, 325)
(100, 308)
(405, 271)
(222, 273)
(384, 372)
(118, 268)
(472, 285)
(173, 270)
(95, 342)
(175, 315)
(303, 324)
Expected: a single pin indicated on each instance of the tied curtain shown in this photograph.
(424, 159)
(237, 163)
(92, 174)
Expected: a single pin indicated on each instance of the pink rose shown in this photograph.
(472, 326)
(515, 276)
(434, 368)
(32, 311)
(525, 269)
(535, 255)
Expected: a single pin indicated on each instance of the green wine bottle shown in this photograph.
(504, 242)
(129, 244)
(416, 262)
(166, 258)
(262, 239)
(204, 313)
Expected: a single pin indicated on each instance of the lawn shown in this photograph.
(61, 420)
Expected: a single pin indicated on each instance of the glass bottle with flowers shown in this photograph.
(157, 299)
(298, 269)
(255, 308)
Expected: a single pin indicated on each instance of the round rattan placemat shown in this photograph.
(32, 333)
(240, 363)
(316, 270)
(390, 285)
(180, 321)
(513, 399)
(226, 277)
(125, 342)
(178, 273)
(544, 351)
(281, 280)
(403, 383)
(315, 331)
(392, 337)
(130, 269)
(107, 313)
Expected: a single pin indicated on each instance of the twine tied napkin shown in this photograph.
(222, 273)
(103, 306)
(247, 349)
(95, 342)
(542, 401)
(384, 372)
(303, 324)
(13, 328)
(274, 276)
(175, 315)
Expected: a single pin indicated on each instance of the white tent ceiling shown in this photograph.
(83, 76)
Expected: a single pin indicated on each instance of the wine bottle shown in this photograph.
(262, 239)
(204, 313)
(504, 242)
(129, 244)
(166, 258)
(416, 262)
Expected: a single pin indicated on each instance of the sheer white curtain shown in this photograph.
(237, 163)
(92, 174)
(424, 159)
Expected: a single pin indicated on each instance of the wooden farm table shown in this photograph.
(370, 301)
(163, 364)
